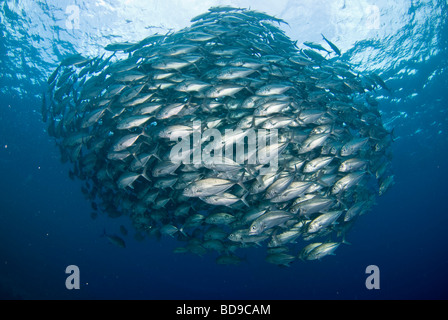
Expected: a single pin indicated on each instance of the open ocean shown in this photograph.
(45, 220)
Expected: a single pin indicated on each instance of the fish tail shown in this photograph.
(248, 89)
(145, 175)
(392, 135)
(243, 199)
(181, 230)
(345, 241)
(240, 182)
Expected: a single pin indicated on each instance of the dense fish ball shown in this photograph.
(225, 135)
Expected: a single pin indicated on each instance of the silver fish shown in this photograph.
(220, 218)
(282, 259)
(133, 122)
(353, 146)
(323, 221)
(207, 187)
(323, 250)
(347, 182)
(273, 89)
(317, 164)
(313, 142)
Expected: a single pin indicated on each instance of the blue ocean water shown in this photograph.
(45, 222)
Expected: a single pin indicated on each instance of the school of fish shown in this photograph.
(117, 118)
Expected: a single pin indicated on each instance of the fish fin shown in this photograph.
(240, 182)
(248, 89)
(109, 109)
(154, 201)
(204, 106)
(296, 171)
(295, 105)
(145, 133)
(154, 151)
(243, 199)
(157, 157)
(181, 230)
(291, 137)
(193, 208)
(392, 135)
(370, 173)
(251, 171)
(134, 155)
(297, 117)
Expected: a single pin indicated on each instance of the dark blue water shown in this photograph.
(45, 222)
